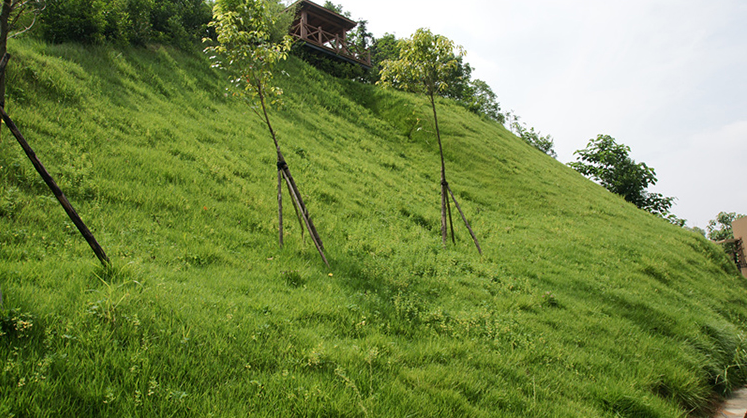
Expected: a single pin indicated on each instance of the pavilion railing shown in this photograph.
(330, 41)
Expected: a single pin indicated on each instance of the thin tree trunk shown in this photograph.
(57, 191)
(444, 230)
(444, 184)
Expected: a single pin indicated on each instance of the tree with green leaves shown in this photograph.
(247, 49)
(483, 101)
(719, 229)
(426, 61)
(535, 138)
(609, 163)
(337, 8)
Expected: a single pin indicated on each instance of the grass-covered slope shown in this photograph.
(582, 305)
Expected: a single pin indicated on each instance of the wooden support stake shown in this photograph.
(451, 222)
(301, 205)
(57, 191)
(298, 216)
(444, 230)
(464, 218)
(280, 207)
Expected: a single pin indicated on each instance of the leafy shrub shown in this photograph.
(136, 22)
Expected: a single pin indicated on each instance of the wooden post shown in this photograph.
(298, 216)
(280, 207)
(302, 206)
(464, 218)
(304, 22)
(304, 214)
(448, 210)
(57, 191)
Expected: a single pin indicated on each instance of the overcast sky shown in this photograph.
(666, 77)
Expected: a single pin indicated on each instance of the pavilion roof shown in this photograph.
(322, 17)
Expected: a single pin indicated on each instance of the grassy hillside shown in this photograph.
(582, 305)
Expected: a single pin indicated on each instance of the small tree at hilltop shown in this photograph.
(425, 62)
(534, 138)
(248, 50)
(483, 101)
(607, 162)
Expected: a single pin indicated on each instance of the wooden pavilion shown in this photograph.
(325, 31)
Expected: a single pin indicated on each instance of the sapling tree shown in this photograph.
(248, 50)
(426, 61)
(609, 163)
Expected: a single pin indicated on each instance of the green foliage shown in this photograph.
(447, 66)
(719, 229)
(246, 48)
(535, 139)
(332, 66)
(383, 49)
(607, 162)
(360, 39)
(483, 101)
(337, 8)
(581, 305)
(138, 22)
(21, 16)
(457, 80)
(426, 63)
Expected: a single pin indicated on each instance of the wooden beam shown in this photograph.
(304, 22)
(56, 191)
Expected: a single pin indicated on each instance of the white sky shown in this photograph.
(666, 77)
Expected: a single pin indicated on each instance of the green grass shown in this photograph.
(582, 305)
